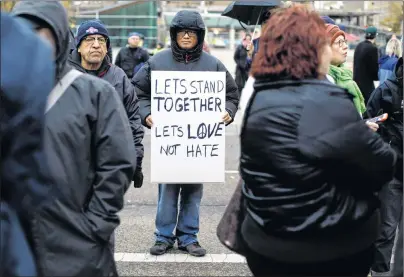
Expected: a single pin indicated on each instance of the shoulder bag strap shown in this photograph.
(61, 87)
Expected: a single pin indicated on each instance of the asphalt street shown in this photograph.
(135, 235)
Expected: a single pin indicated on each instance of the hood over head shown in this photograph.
(191, 20)
(55, 16)
(72, 41)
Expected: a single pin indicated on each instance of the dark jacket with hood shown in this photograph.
(91, 159)
(24, 173)
(126, 91)
(243, 65)
(366, 67)
(388, 98)
(309, 179)
(129, 58)
(177, 59)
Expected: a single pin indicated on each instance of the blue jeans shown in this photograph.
(187, 225)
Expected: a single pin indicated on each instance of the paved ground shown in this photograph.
(135, 235)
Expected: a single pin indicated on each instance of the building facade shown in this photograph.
(121, 19)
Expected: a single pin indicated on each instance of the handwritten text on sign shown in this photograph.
(188, 135)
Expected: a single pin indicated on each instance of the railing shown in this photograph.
(115, 16)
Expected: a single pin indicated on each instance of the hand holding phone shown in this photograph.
(379, 119)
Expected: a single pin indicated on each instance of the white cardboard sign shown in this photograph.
(188, 135)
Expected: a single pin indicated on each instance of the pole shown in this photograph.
(255, 28)
(232, 36)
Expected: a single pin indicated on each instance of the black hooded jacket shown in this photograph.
(366, 67)
(91, 158)
(388, 98)
(177, 59)
(128, 58)
(126, 91)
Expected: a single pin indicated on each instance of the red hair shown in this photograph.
(290, 45)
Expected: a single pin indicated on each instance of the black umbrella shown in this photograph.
(249, 12)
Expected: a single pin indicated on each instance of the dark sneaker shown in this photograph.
(194, 249)
(160, 248)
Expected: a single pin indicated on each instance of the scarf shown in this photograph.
(343, 77)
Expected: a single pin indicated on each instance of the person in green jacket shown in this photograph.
(159, 47)
(339, 74)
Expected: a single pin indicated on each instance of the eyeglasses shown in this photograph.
(91, 40)
(341, 42)
(190, 33)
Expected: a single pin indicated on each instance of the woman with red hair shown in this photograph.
(310, 165)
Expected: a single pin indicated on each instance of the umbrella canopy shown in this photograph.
(249, 12)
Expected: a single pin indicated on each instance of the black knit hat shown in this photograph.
(91, 27)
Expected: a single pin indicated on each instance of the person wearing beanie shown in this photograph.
(366, 66)
(90, 56)
(87, 32)
(73, 43)
(89, 153)
(342, 76)
(132, 57)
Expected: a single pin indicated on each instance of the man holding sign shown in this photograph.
(191, 96)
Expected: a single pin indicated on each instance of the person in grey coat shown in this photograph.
(187, 33)
(91, 158)
(90, 56)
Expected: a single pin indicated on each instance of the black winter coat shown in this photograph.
(388, 98)
(366, 67)
(310, 164)
(242, 66)
(90, 154)
(126, 91)
(128, 58)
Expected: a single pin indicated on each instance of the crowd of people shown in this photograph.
(321, 180)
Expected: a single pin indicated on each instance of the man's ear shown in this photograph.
(78, 50)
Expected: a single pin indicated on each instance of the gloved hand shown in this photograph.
(138, 178)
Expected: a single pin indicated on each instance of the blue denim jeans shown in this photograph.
(187, 225)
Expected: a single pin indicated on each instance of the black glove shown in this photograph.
(138, 178)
